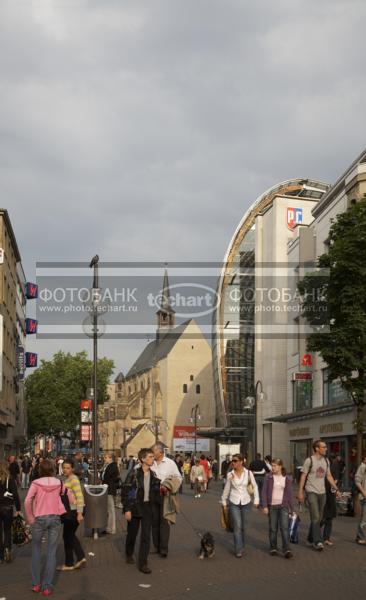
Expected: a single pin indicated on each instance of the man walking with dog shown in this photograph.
(166, 470)
(315, 471)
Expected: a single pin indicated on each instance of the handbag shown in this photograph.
(250, 486)
(225, 521)
(69, 514)
(20, 531)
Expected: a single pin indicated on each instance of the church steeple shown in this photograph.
(165, 314)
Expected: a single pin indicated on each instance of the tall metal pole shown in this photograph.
(94, 263)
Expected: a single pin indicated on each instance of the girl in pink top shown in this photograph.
(43, 507)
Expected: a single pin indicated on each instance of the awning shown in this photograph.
(319, 411)
(224, 434)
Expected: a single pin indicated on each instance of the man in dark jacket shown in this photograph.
(139, 493)
(110, 476)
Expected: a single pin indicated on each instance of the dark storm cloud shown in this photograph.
(144, 129)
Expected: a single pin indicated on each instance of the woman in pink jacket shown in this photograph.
(43, 507)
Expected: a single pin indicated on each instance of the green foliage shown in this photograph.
(55, 389)
(335, 301)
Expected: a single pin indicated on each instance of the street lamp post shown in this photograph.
(251, 402)
(94, 265)
(195, 416)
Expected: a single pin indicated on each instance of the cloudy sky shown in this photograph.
(143, 129)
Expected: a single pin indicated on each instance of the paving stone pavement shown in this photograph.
(338, 572)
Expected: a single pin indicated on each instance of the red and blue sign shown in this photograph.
(31, 291)
(294, 217)
(31, 359)
(31, 326)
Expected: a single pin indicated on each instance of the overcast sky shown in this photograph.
(143, 130)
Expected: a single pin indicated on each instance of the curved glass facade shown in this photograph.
(234, 318)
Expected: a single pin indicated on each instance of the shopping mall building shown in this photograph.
(272, 396)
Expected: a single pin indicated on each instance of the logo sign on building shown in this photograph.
(307, 360)
(31, 291)
(294, 217)
(85, 433)
(31, 359)
(31, 326)
(302, 376)
(183, 440)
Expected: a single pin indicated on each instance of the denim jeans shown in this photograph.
(361, 530)
(315, 503)
(278, 516)
(50, 524)
(25, 481)
(239, 519)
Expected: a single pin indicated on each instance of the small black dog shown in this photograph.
(207, 546)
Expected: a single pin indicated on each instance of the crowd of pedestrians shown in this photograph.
(149, 501)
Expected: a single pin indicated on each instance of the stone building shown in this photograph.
(13, 424)
(156, 398)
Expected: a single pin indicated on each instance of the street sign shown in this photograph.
(85, 433)
(86, 405)
(86, 416)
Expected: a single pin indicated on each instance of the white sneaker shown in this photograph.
(199, 496)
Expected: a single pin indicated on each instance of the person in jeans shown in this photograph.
(360, 481)
(236, 492)
(139, 492)
(278, 503)
(26, 467)
(315, 471)
(71, 541)
(110, 476)
(8, 497)
(43, 507)
(197, 476)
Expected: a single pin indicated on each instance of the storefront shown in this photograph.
(335, 425)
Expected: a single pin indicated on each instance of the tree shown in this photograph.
(334, 303)
(55, 389)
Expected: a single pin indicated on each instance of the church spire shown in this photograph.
(165, 314)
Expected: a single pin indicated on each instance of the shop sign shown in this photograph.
(302, 376)
(299, 432)
(331, 428)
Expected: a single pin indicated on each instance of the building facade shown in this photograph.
(317, 407)
(157, 397)
(251, 320)
(12, 340)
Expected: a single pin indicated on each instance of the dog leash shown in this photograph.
(195, 530)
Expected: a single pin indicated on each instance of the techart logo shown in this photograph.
(187, 300)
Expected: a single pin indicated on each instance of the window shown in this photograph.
(332, 390)
(302, 395)
(198, 389)
(191, 377)
(185, 388)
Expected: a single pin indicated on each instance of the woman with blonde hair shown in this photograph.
(8, 497)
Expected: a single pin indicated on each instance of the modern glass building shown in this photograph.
(235, 321)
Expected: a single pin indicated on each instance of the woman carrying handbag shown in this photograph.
(238, 491)
(8, 497)
(73, 500)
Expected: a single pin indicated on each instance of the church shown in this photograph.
(166, 393)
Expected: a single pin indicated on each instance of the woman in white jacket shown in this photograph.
(239, 488)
